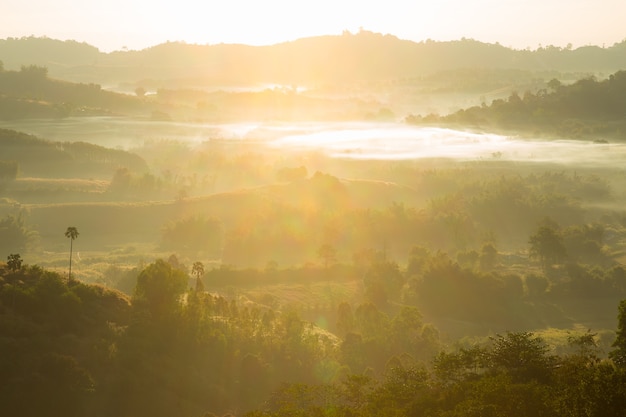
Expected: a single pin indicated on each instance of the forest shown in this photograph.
(173, 249)
(171, 348)
(586, 109)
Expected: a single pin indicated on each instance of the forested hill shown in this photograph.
(72, 349)
(33, 156)
(29, 92)
(323, 59)
(586, 109)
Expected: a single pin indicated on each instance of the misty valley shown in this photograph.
(449, 244)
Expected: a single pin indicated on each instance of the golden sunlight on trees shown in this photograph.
(197, 270)
(260, 180)
(327, 254)
(16, 234)
(546, 244)
(159, 287)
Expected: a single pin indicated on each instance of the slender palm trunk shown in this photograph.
(70, 275)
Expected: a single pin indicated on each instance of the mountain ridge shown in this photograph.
(361, 57)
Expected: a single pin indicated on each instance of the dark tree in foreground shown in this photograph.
(618, 354)
(71, 233)
(522, 355)
(14, 262)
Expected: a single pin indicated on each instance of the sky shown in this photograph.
(136, 24)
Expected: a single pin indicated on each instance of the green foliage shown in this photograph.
(30, 93)
(57, 343)
(33, 73)
(546, 244)
(372, 337)
(585, 243)
(15, 234)
(585, 109)
(186, 353)
(446, 289)
(488, 257)
(159, 287)
(198, 271)
(536, 285)
(76, 348)
(40, 157)
(453, 367)
(521, 355)
(514, 375)
(618, 354)
(383, 282)
(14, 262)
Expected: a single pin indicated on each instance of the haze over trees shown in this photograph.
(235, 275)
(360, 56)
(586, 109)
(202, 352)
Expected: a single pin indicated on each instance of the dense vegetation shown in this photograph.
(77, 349)
(586, 109)
(226, 277)
(31, 156)
(373, 77)
(30, 93)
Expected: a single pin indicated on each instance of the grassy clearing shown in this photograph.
(321, 294)
(558, 339)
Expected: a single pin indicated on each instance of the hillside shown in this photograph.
(35, 156)
(29, 92)
(586, 109)
(364, 56)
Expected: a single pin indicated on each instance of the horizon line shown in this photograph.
(124, 48)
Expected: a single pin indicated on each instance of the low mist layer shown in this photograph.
(353, 140)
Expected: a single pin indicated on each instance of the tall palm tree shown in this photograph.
(71, 233)
(198, 271)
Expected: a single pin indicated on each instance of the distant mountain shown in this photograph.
(15, 52)
(361, 57)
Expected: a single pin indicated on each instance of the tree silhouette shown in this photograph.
(158, 289)
(618, 354)
(547, 245)
(198, 271)
(14, 262)
(71, 233)
(327, 254)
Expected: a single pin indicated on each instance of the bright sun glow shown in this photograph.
(139, 24)
(342, 140)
